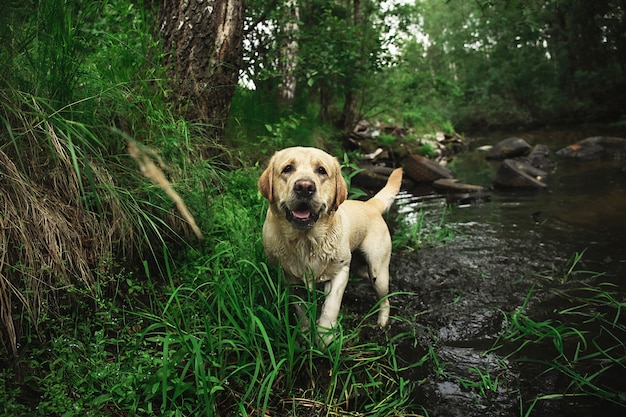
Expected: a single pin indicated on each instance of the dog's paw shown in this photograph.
(383, 314)
(325, 336)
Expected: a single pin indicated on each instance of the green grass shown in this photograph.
(158, 323)
(218, 337)
(214, 335)
(414, 230)
(583, 341)
(121, 312)
(578, 346)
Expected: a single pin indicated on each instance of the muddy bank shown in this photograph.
(454, 297)
(457, 299)
(557, 257)
(463, 291)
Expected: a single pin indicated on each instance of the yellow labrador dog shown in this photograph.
(311, 230)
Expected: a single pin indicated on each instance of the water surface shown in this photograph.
(520, 251)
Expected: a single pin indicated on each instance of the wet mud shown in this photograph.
(514, 253)
(460, 295)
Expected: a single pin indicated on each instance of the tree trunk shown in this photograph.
(204, 45)
(349, 112)
(326, 97)
(289, 55)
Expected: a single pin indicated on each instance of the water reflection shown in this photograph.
(584, 205)
(504, 248)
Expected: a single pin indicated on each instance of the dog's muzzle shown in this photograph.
(303, 215)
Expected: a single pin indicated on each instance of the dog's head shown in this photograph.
(302, 184)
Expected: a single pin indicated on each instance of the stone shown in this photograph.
(454, 185)
(539, 157)
(594, 147)
(509, 148)
(421, 169)
(517, 174)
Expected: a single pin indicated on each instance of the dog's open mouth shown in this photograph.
(302, 217)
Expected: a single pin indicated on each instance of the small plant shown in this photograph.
(572, 263)
(412, 232)
(279, 135)
(349, 170)
(428, 150)
(386, 139)
(568, 345)
(8, 393)
(487, 383)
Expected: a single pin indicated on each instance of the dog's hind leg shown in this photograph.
(378, 267)
(380, 282)
(300, 300)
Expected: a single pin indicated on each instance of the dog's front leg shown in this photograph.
(334, 290)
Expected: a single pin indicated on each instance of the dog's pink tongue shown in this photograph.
(304, 214)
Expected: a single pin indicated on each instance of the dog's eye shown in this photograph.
(322, 171)
(287, 169)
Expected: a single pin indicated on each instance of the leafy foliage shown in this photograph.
(111, 309)
(69, 186)
(340, 47)
(518, 63)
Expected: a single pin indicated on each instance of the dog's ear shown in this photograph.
(265, 184)
(341, 189)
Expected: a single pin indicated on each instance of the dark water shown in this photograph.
(513, 253)
(584, 207)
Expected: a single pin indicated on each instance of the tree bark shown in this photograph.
(349, 112)
(289, 55)
(203, 40)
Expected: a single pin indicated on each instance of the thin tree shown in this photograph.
(289, 55)
(349, 114)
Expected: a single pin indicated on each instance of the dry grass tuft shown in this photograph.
(145, 158)
(63, 213)
(47, 242)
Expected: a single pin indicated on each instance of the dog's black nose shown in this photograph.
(304, 188)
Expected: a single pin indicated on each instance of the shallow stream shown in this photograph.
(552, 256)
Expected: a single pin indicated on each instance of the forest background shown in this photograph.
(109, 302)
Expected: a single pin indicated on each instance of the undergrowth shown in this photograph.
(216, 338)
(110, 307)
(582, 341)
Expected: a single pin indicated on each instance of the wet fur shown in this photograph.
(311, 230)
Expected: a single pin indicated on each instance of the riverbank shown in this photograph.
(520, 312)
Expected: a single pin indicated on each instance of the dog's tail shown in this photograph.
(383, 199)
